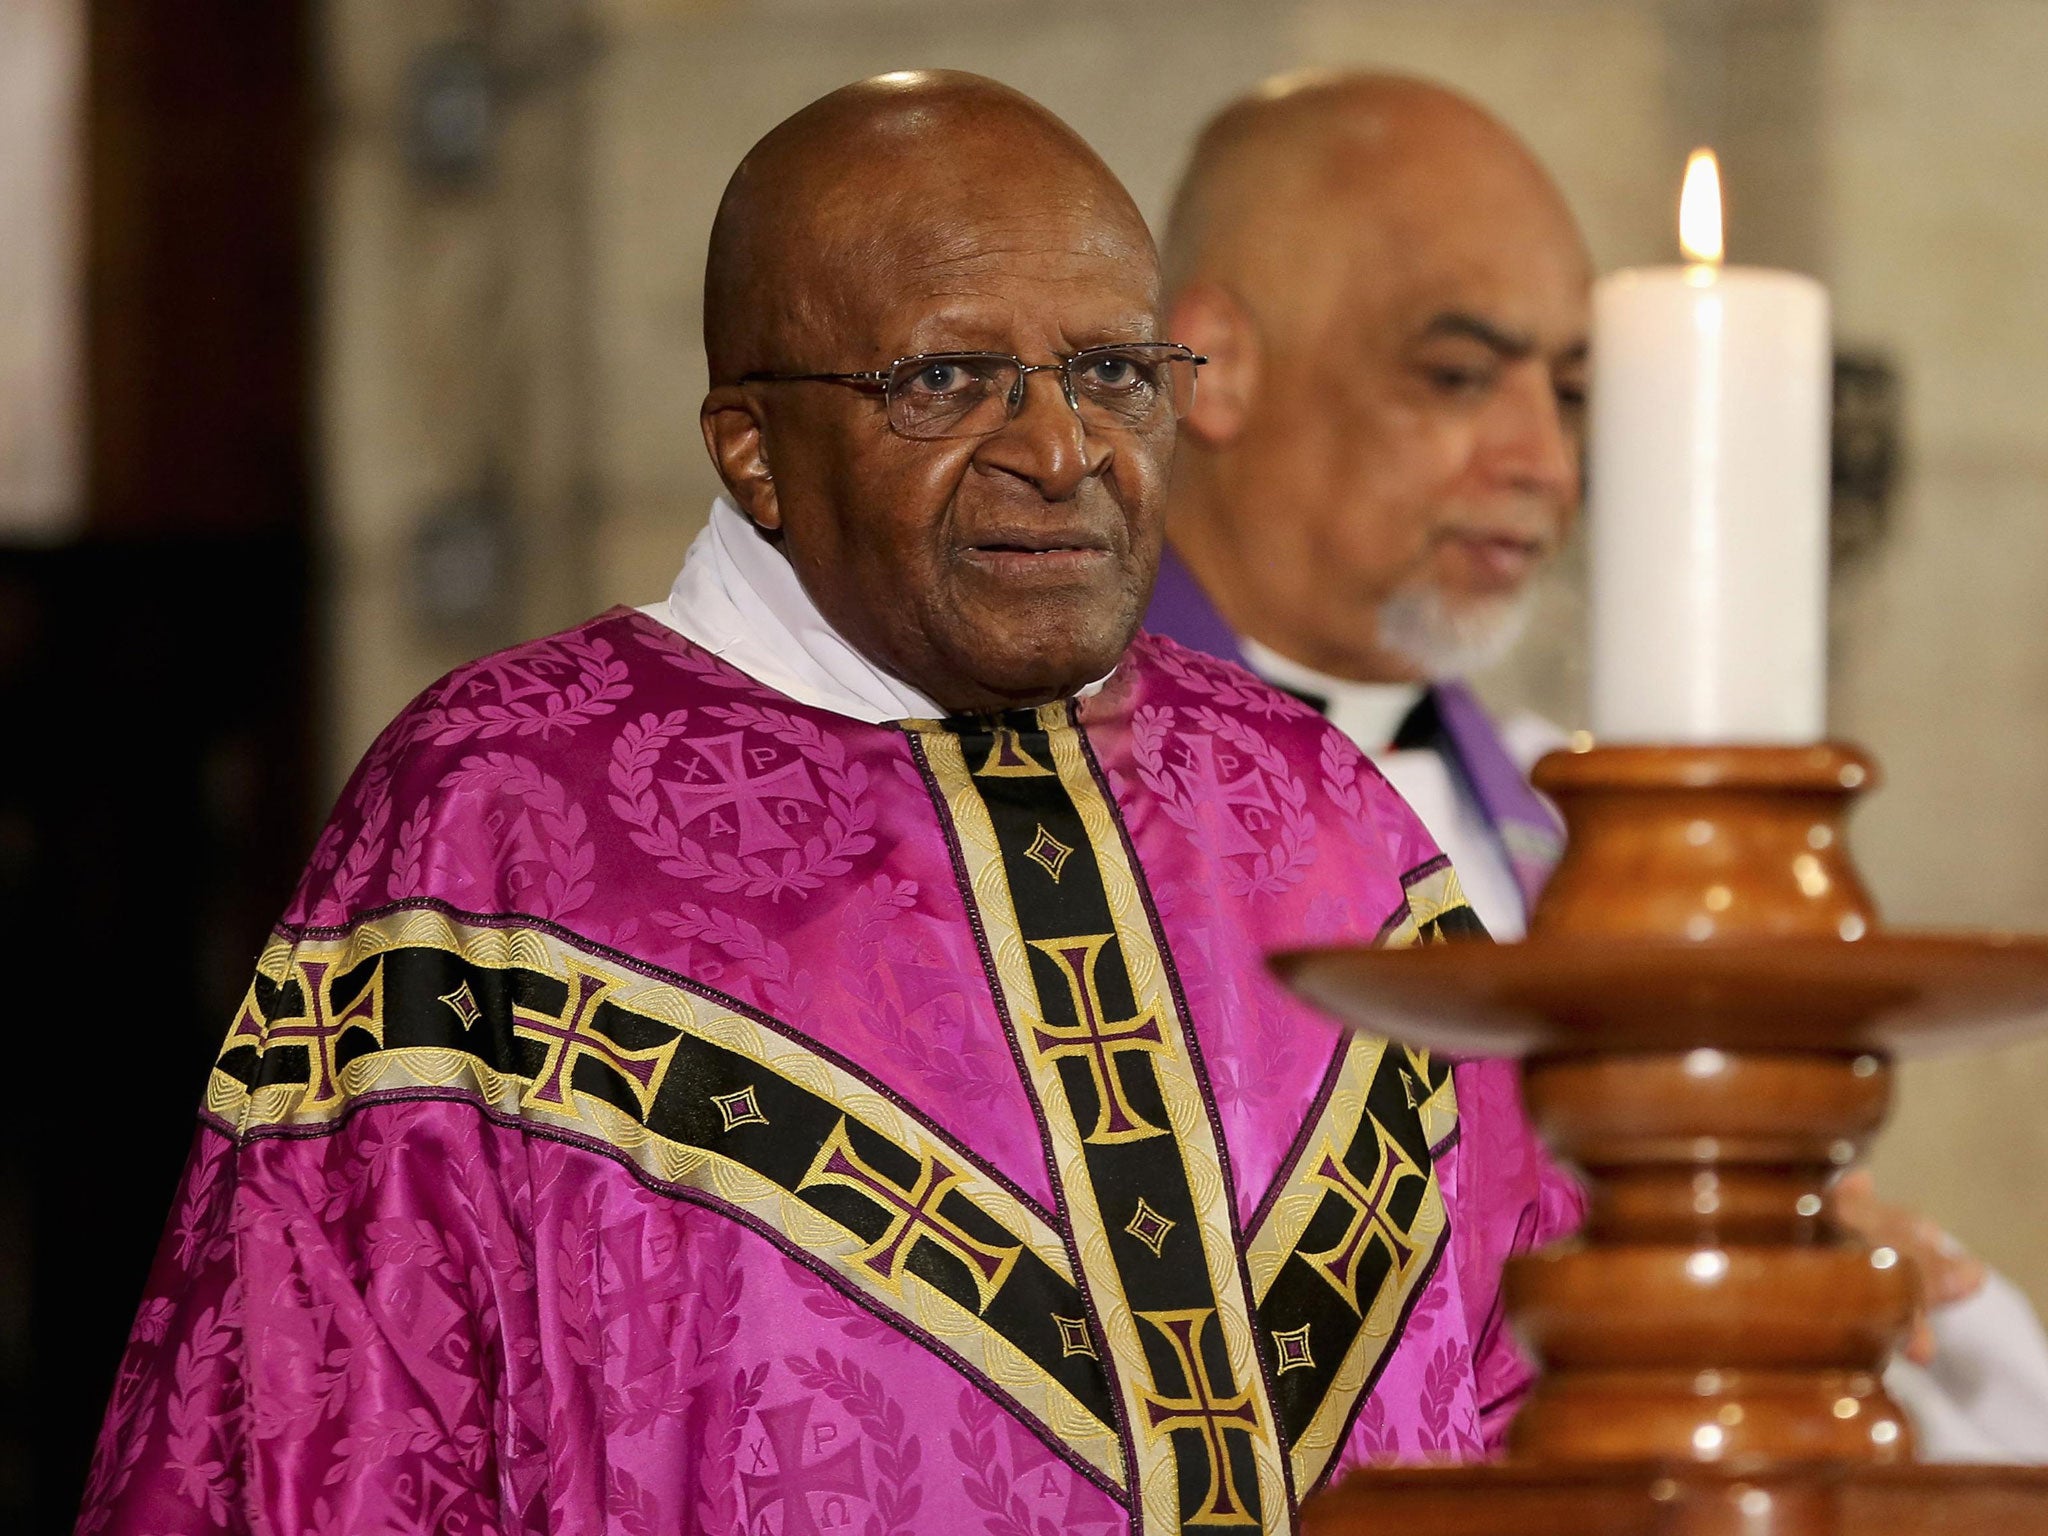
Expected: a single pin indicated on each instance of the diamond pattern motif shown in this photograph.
(738, 1109)
(463, 1002)
(1074, 1338)
(1048, 853)
(1292, 1347)
(1150, 1228)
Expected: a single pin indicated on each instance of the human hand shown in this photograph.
(1948, 1271)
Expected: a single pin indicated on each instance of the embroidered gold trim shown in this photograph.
(889, 1285)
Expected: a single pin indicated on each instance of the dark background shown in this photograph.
(155, 678)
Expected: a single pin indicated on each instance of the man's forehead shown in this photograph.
(896, 191)
(1522, 277)
(996, 276)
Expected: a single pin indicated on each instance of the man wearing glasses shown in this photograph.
(800, 1057)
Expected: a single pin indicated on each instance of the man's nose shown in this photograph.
(1046, 442)
(1531, 444)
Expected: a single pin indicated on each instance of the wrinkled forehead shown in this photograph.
(917, 257)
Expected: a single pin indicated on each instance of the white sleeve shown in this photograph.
(1984, 1398)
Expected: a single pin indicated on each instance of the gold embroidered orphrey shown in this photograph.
(1089, 998)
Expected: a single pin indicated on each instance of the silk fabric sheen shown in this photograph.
(461, 1298)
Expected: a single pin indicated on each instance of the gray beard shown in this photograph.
(1443, 642)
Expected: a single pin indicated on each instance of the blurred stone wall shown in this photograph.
(512, 367)
(1937, 154)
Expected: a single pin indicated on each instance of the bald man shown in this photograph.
(800, 1056)
(1392, 295)
(1385, 453)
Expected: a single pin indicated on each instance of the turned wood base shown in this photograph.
(1707, 1013)
(1650, 1500)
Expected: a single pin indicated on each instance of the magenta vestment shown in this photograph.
(666, 1107)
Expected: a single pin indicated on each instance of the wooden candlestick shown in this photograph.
(1707, 1012)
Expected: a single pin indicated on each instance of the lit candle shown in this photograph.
(1709, 495)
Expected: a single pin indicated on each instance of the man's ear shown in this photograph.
(1209, 318)
(735, 434)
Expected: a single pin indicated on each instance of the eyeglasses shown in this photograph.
(972, 394)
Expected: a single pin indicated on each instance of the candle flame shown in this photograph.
(1699, 208)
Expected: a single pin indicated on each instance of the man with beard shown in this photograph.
(1393, 297)
(801, 1055)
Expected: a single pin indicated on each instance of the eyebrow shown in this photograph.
(1454, 322)
(1513, 345)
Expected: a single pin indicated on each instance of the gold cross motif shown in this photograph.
(1370, 1217)
(572, 1033)
(913, 1216)
(1102, 1044)
(1007, 759)
(320, 1028)
(1201, 1409)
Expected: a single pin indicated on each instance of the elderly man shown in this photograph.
(1393, 298)
(799, 1056)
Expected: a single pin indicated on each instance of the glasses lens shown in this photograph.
(1134, 386)
(951, 394)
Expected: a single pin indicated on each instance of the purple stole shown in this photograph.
(1523, 823)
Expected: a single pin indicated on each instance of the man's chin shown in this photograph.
(1022, 673)
(1447, 637)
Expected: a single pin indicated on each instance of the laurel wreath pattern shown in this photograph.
(1288, 856)
(988, 1483)
(122, 1441)
(408, 857)
(561, 821)
(800, 871)
(1340, 763)
(373, 816)
(1227, 685)
(202, 1411)
(600, 685)
(894, 1451)
(696, 663)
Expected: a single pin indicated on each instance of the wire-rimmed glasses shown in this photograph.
(1129, 387)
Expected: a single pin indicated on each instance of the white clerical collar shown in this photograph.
(740, 599)
(1369, 713)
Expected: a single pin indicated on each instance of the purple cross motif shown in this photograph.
(573, 1033)
(1218, 798)
(319, 1027)
(638, 1296)
(913, 1215)
(1370, 1217)
(717, 780)
(1101, 1044)
(1201, 1409)
(794, 1480)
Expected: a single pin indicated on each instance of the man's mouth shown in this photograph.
(1027, 554)
(1498, 559)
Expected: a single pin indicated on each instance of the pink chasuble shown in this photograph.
(667, 1107)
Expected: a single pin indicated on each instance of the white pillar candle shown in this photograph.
(1709, 499)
